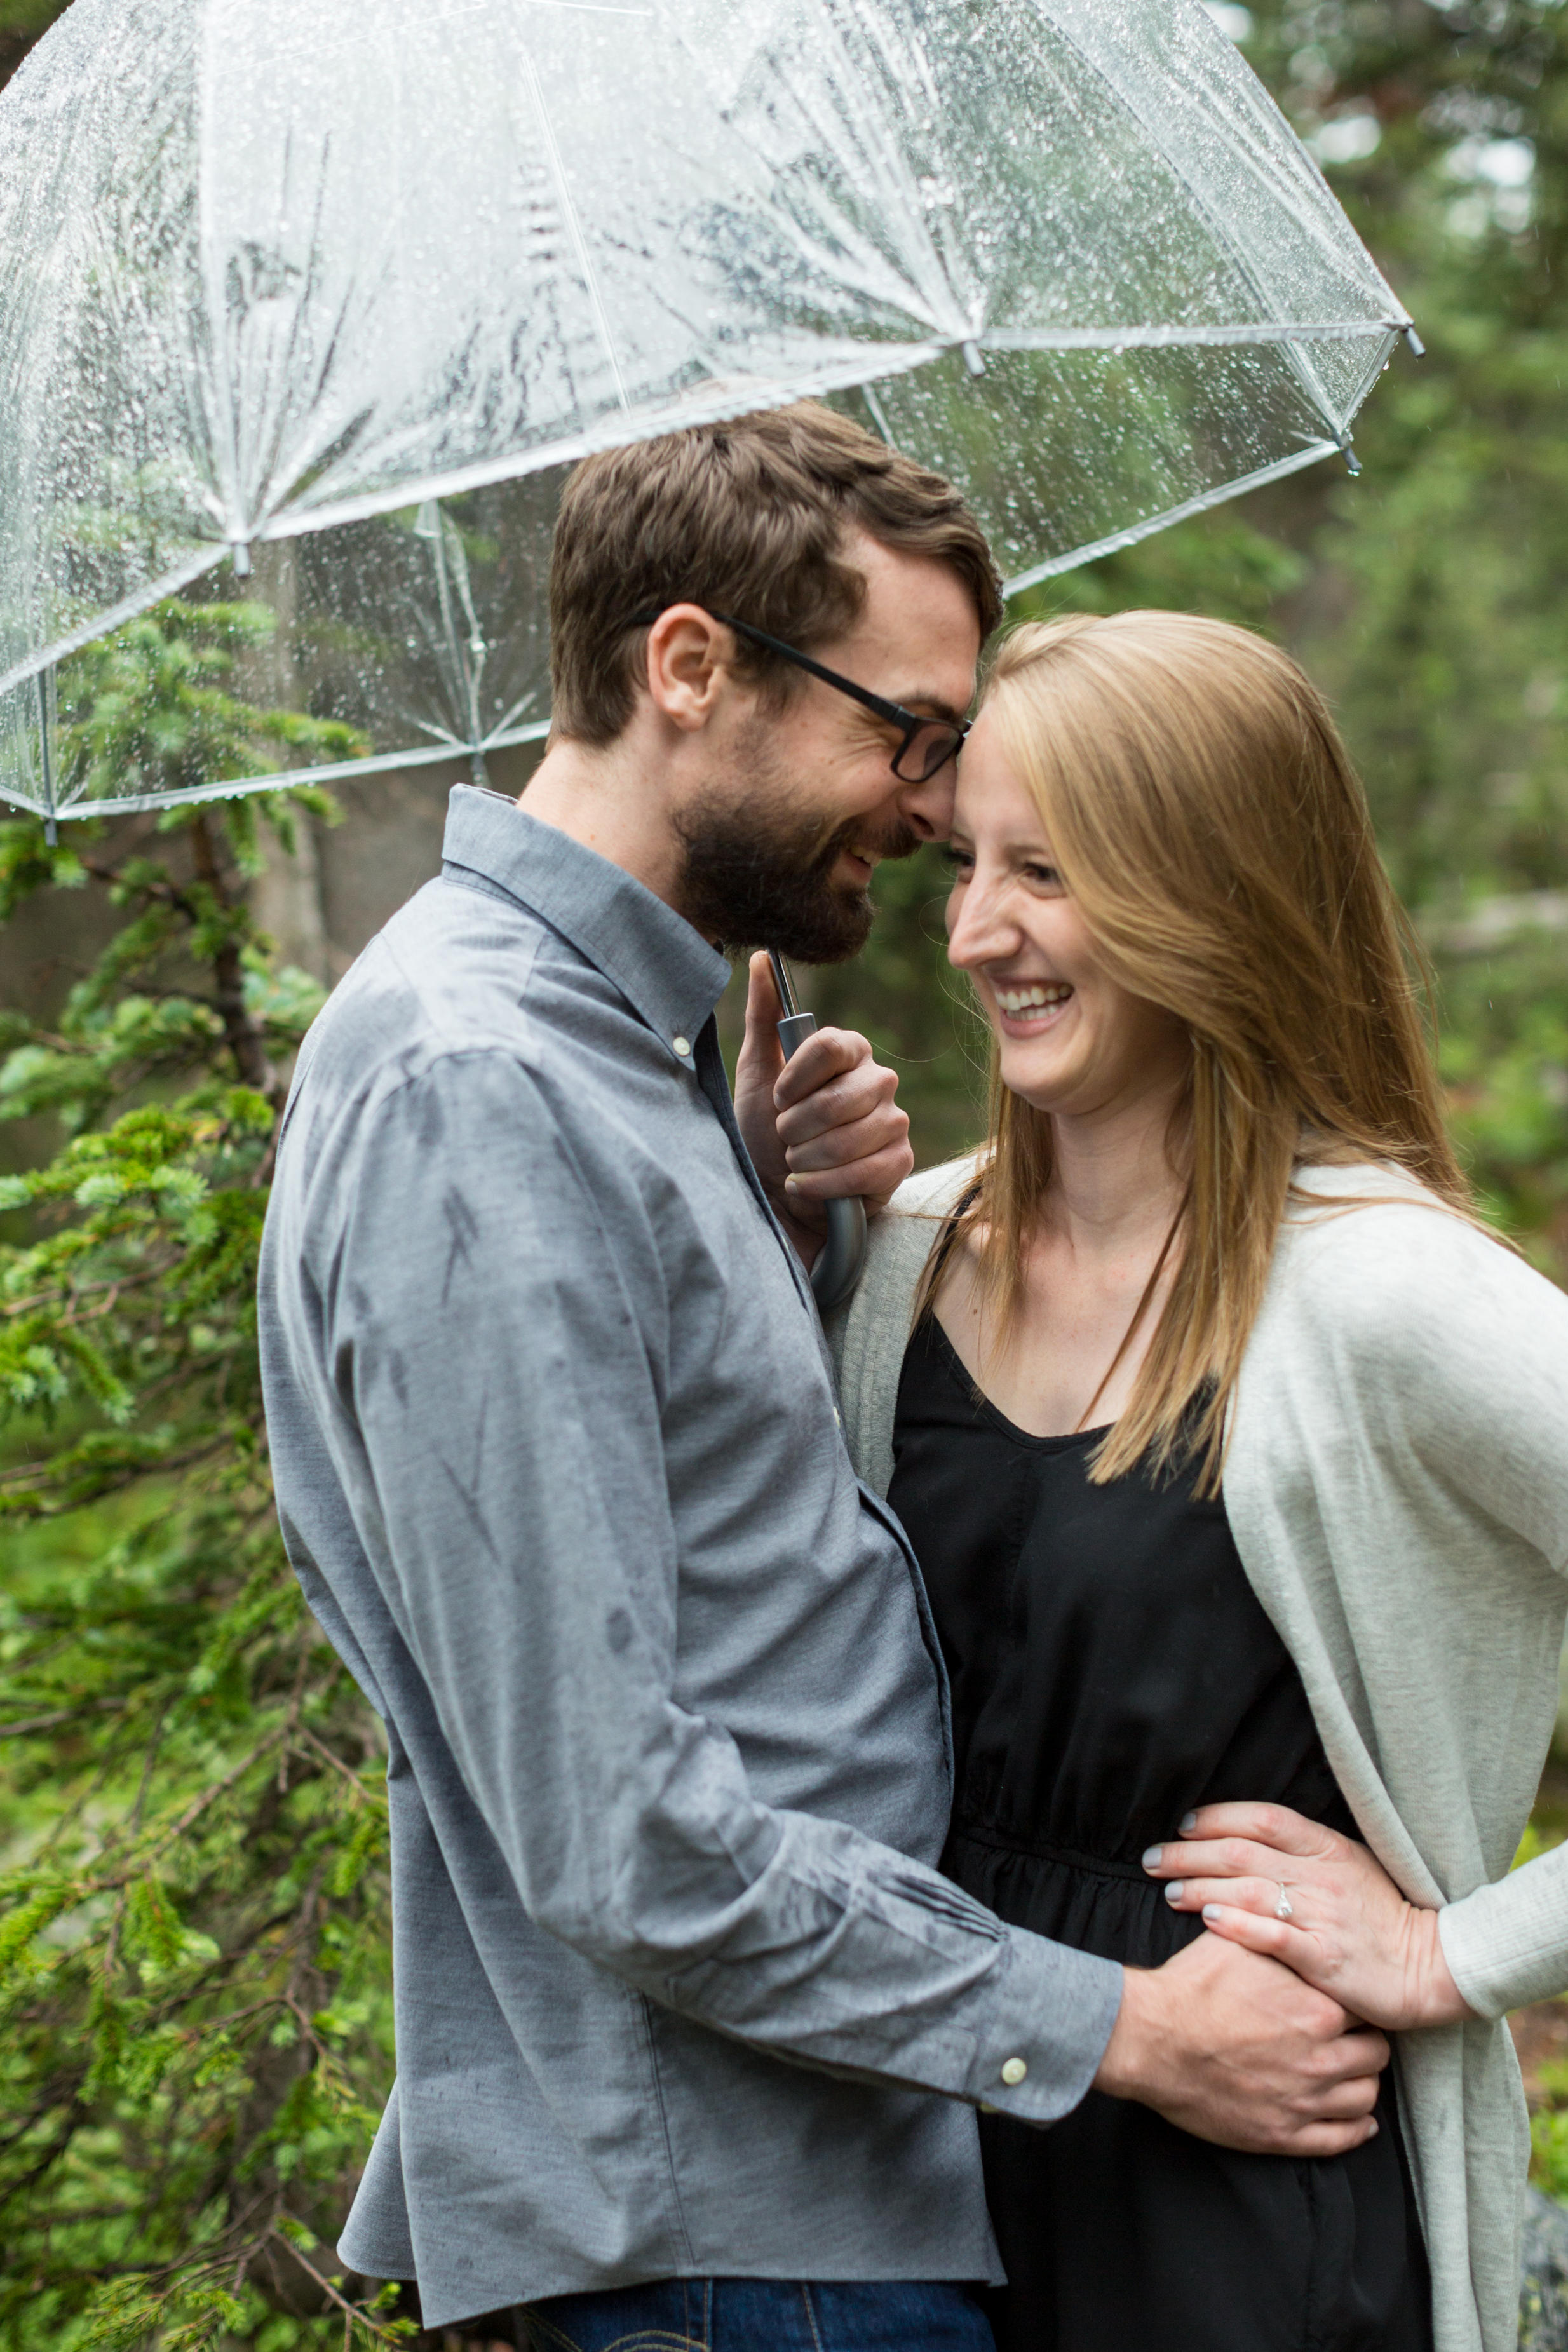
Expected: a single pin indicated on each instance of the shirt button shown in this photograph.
(682, 1045)
(1013, 2071)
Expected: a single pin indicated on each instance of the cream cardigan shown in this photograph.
(1398, 1484)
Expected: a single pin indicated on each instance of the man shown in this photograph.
(691, 2033)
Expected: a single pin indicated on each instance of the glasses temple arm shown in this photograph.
(862, 694)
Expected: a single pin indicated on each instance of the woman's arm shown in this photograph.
(1347, 1929)
(1437, 1361)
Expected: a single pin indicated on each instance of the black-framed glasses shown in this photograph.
(925, 745)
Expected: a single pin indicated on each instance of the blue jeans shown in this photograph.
(728, 2314)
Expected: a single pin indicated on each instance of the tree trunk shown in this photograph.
(241, 1033)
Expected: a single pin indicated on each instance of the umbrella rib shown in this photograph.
(235, 788)
(1216, 335)
(1298, 360)
(267, 60)
(1310, 454)
(103, 625)
(574, 225)
(714, 400)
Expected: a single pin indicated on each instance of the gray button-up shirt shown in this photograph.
(560, 1470)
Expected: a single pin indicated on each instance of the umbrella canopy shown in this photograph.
(332, 295)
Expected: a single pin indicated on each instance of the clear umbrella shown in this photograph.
(331, 295)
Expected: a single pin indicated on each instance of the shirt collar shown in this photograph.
(664, 970)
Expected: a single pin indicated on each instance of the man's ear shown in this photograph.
(688, 666)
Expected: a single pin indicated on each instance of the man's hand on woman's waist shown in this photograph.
(1237, 2049)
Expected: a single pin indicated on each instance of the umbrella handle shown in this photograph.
(843, 1254)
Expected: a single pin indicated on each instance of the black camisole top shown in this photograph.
(1111, 1668)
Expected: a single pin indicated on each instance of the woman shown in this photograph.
(1235, 1450)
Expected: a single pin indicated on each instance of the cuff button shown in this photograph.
(1013, 2071)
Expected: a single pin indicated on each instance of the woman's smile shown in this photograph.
(1028, 1008)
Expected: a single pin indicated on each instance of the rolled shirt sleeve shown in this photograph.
(499, 1348)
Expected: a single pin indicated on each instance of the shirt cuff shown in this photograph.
(1039, 2046)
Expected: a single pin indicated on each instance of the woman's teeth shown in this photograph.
(1017, 1002)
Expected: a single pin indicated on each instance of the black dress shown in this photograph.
(1111, 1668)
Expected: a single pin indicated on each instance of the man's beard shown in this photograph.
(761, 874)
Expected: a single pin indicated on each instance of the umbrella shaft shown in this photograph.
(46, 761)
(782, 982)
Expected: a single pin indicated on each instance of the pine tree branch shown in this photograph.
(357, 2314)
(219, 1788)
(364, 1795)
(62, 1715)
(66, 1294)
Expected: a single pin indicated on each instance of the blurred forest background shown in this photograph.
(195, 2007)
(1427, 598)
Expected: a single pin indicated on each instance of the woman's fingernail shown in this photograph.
(1151, 1856)
(1214, 1910)
(1375, 2129)
(1189, 1823)
(1174, 1892)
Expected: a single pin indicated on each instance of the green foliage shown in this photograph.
(194, 1997)
(25, 20)
(1548, 2133)
(1220, 563)
(149, 709)
(1505, 1058)
(1432, 610)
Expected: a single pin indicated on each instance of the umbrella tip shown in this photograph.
(240, 552)
(1352, 463)
(1417, 348)
(974, 359)
(51, 831)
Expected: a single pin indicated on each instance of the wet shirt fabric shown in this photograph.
(559, 1467)
(1111, 1668)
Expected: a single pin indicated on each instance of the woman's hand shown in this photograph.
(1348, 1929)
(824, 1125)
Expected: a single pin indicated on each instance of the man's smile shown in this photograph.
(862, 863)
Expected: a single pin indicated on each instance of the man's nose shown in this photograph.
(927, 808)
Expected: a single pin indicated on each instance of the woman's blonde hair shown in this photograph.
(1205, 816)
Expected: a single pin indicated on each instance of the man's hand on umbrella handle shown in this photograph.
(823, 1125)
(1237, 2050)
(1267, 1878)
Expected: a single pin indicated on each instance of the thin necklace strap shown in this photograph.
(1137, 1312)
(946, 1242)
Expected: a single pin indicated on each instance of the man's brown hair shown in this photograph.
(746, 517)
